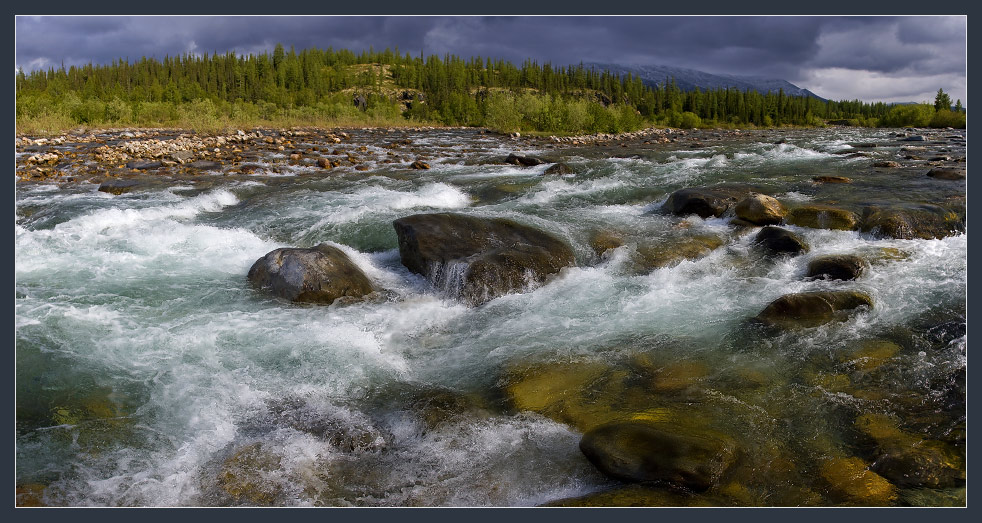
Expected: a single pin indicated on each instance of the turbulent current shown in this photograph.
(151, 373)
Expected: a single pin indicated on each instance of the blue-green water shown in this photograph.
(150, 373)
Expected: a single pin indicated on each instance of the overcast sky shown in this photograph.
(870, 58)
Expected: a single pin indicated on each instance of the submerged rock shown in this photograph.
(321, 274)
(871, 354)
(850, 480)
(836, 267)
(703, 201)
(909, 460)
(604, 240)
(244, 476)
(831, 179)
(760, 209)
(479, 259)
(775, 240)
(673, 251)
(640, 451)
(643, 496)
(822, 217)
(810, 309)
(947, 174)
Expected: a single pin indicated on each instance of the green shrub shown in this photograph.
(946, 118)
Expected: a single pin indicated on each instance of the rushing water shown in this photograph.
(150, 373)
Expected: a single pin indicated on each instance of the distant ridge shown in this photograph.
(691, 79)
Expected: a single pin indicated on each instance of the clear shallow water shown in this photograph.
(150, 373)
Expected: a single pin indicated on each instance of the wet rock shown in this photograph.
(810, 309)
(643, 496)
(140, 165)
(947, 174)
(604, 240)
(909, 460)
(182, 156)
(760, 209)
(705, 202)
(638, 451)
(831, 179)
(321, 274)
(887, 164)
(925, 222)
(679, 375)
(915, 138)
(117, 186)
(324, 163)
(559, 168)
(523, 161)
(204, 165)
(245, 476)
(479, 259)
(419, 165)
(836, 267)
(871, 354)
(851, 481)
(362, 167)
(775, 240)
(822, 217)
(30, 495)
(673, 251)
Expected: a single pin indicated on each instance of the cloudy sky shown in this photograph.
(870, 58)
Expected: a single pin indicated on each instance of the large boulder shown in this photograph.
(704, 201)
(760, 209)
(117, 186)
(907, 459)
(925, 222)
(559, 168)
(810, 309)
(836, 267)
(479, 259)
(775, 240)
(947, 173)
(822, 217)
(318, 275)
(639, 451)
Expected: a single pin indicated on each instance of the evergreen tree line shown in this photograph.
(339, 86)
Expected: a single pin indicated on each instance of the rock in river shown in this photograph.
(836, 267)
(947, 174)
(118, 186)
(318, 275)
(642, 451)
(775, 240)
(524, 161)
(479, 259)
(924, 221)
(559, 168)
(703, 201)
(822, 217)
(810, 309)
(760, 209)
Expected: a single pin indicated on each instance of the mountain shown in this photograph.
(690, 79)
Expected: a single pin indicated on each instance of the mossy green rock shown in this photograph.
(760, 209)
(639, 451)
(851, 482)
(908, 459)
(924, 222)
(243, 476)
(810, 309)
(671, 252)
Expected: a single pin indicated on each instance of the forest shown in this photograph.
(341, 88)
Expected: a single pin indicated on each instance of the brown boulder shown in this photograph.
(760, 209)
(810, 309)
(318, 275)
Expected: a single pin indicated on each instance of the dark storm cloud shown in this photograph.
(793, 48)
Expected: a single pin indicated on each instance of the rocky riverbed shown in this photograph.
(429, 317)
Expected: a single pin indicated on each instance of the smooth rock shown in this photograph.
(775, 240)
(925, 222)
(140, 165)
(760, 209)
(915, 138)
(822, 217)
(705, 202)
(604, 240)
(887, 164)
(850, 480)
(204, 165)
(638, 451)
(672, 251)
(836, 267)
(947, 174)
(810, 309)
(907, 459)
(419, 165)
(871, 354)
(318, 275)
(831, 179)
(479, 259)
